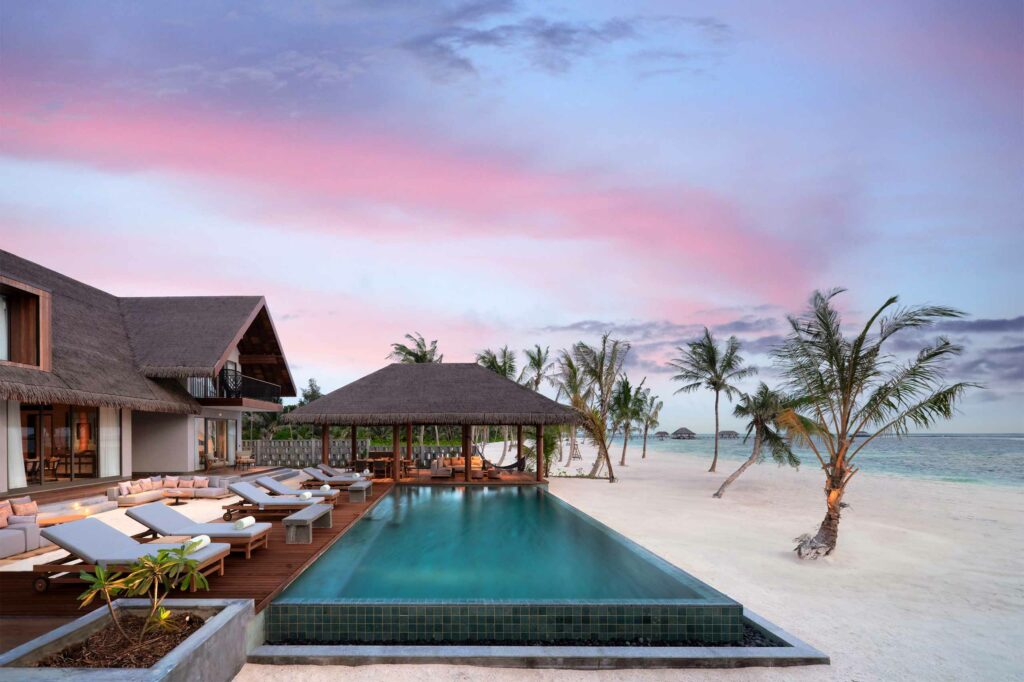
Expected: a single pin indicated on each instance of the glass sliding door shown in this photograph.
(85, 432)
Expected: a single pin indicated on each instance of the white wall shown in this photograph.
(126, 443)
(3, 447)
(160, 442)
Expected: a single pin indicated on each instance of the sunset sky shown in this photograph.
(498, 172)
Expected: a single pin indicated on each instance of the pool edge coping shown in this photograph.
(797, 652)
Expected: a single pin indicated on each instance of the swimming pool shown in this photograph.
(494, 564)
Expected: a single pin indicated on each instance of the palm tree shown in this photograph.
(627, 410)
(503, 363)
(537, 367)
(417, 353)
(569, 383)
(851, 385)
(600, 367)
(651, 414)
(766, 409)
(704, 365)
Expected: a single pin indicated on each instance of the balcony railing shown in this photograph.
(231, 383)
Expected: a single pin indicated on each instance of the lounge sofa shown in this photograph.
(145, 490)
(18, 532)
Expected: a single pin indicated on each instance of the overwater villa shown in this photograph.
(683, 433)
(661, 435)
(728, 434)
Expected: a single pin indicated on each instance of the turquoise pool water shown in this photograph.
(493, 564)
(518, 543)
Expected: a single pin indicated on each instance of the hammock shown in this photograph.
(519, 465)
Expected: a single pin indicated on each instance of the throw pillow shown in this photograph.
(170, 481)
(185, 483)
(124, 488)
(5, 509)
(135, 489)
(201, 482)
(25, 509)
(3, 521)
(157, 482)
(145, 484)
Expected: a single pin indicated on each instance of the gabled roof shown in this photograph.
(127, 352)
(186, 336)
(433, 393)
(92, 362)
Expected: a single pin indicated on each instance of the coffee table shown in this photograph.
(177, 501)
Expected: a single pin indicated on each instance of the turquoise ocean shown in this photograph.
(994, 459)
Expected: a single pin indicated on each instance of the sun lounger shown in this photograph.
(163, 520)
(333, 471)
(277, 488)
(259, 503)
(91, 543)
(318, 478)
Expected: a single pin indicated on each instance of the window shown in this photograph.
(24, 324)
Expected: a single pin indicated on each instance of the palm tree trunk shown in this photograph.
(714, 462)
(437, 437)
(644, 455)
(608, 461)
(504, 444)
(754, 456)
(625, 441)
(824, 541)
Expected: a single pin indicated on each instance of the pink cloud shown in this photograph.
(345, 178)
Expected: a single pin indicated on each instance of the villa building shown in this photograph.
(94, 387)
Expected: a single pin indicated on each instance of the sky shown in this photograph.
(492, 172)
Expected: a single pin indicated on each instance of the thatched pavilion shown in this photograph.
(455, 394)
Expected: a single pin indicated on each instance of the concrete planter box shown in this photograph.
(214, 653)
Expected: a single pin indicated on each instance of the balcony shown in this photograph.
(231, 388)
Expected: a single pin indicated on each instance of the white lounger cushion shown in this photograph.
(97, 543)
(253, 495)
(158, 517)
(324, 478)
(277, 488)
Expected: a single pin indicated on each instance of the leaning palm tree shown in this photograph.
(418, 352)
(503, 363)
(569, 383)
(537, 367)
(600, 366)
(705, 365)
(766, 409)
(651, 415)
(852, 385)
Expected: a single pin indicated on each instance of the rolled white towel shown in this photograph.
(325, 487)
(244, 522)
(198, 542)
(305, 495)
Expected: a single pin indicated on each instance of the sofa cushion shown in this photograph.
(11, 542)
(185, 483)
(201, 482)
(14, 518)
(146, 484)
(134, 489)
(5, 509)
(124, 488)
(171, 481)
(209, 493)
(3, 521)
(29, 508)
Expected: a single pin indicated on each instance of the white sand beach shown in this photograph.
(926, 583)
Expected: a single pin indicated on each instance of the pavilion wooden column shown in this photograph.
(540, 452)
(408, 441)
(325, 444)
(467, 452)
(355, 447)
(396, 454)
(519, 446)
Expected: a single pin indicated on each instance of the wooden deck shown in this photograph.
(261, 578)
(423, 477)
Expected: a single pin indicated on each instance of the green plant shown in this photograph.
(154, 576)
(109, 585)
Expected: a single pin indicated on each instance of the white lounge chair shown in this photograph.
(317, 478)
(163, 520)
(333, 471)
(277, 488)
(91, 543)
(261, 504)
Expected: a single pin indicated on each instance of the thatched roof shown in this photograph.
(94, 361)
(448, 393)
(683, 431)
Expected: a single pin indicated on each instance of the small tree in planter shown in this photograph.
(152, 577)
